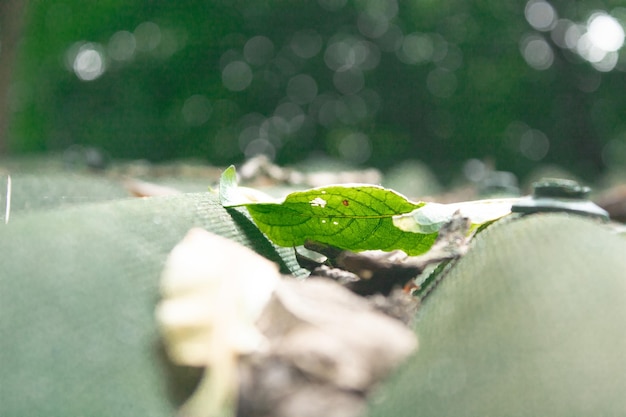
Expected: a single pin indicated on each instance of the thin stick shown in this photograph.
(7, 211)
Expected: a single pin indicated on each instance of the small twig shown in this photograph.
(7, 211)
(147, 189)
(341, 276)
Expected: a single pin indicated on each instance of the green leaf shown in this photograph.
(355, 217)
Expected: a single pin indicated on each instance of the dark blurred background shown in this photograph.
(369, 82)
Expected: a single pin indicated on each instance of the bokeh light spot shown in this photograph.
(572, 35)
(350, 81)
(540, 14)
(607, 63)
(588, 50)
(324, 106)
(355, 147)
(559, 31)
(475, 170)
(273, 129)
(372, 26)
(416, 48)
(614, 152)
(89, 62)
(260, 147)
(537, 52)
(391, 40)
(605, 32)
(121, 46)
(597, 42)
(237, 76)
(258, 50)
(534, 144)
(292, 115)
(306, 43)
(372, 58)
(196, 110)
(440, 48)
(301, 89)
(172, 40)
(229, 56)
(248, 134)
(288, 110)
(346, 53)
(148, 36)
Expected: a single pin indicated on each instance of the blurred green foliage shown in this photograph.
(367, 81)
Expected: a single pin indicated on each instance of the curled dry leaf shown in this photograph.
(213, 292)
(319, 322)
(275, 347)
(328, 349)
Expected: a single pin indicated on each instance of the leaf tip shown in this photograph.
(228, 183)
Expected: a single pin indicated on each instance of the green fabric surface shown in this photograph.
(78, 287)
(45, 183)
(531, 322)
(57, 190)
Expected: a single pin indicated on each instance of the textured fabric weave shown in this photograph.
(78, 287)
(531, 322)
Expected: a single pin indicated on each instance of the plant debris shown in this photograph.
(377, 272)
(356, 217)
(214, 290)
(148, 189)
(273, 346)
(261, 171)
(328, 349)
